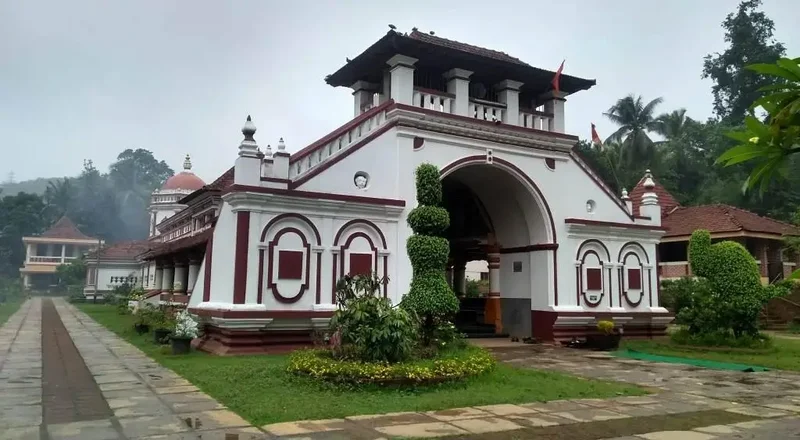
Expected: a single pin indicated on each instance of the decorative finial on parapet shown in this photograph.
(648, 180)
(625, 195)
(187, 163)
(281, 146)
(248, 147)
(268, 151)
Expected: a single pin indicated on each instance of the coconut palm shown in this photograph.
(672, 125)
(635, 119)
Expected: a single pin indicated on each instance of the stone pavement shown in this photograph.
(63, 376)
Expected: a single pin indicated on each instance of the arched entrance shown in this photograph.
(498, 222)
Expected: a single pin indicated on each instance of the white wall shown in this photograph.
(106, 272)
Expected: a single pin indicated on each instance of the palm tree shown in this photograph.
(635, 119)
(672, 125)
(58, 196)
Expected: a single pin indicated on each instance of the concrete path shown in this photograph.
(63, 376)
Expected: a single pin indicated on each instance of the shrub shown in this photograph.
(185, 326)
(368, 327)
(319, 364)
(677, 294)
(474, 288)
(430, 298)
(720, 338)
(605, 327)
(737, 295)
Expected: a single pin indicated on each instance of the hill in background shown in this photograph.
(35, 186)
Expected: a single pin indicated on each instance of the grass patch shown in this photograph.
(261, 390)
(784, 353)
(9, 308)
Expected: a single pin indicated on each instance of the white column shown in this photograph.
(63, 253)
(554, 104)
(402, 78)
(194, 271)
(180, 276)
(159, 277)
(494, 274)
(458, 84)
(26, 281)
(508, 94)
(362, 95)
(459, 278)
(29, 253)
(168, 278)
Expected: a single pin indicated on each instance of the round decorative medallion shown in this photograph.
(361, 180)
(590, 206)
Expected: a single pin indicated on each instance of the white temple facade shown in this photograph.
(563, 250)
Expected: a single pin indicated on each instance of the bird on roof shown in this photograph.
(392, 27)
(347, 59)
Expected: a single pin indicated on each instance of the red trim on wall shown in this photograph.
(240, 260)
(270, 266)
(589, 171)
(286, 215)
(260, 294)
(581, 221)
(318, 298)
(594, 278)
(374, 248)
(275, 314)
(635, 278)
(602, 289)
(555, 275)
(590, 241)
(529, 248)
(207, 273)
(634, 244)
(625, 286)
(316, 195)
(276, 180)
(290, 265)
(360, 264)
(334, 279)
(418, 142)
(359, 221)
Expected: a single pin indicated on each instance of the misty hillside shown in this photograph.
(35, 186)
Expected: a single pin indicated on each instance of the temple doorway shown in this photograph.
(496, 216)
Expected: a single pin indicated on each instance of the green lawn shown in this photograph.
(8, 308)
(784, 355)
(259, 389)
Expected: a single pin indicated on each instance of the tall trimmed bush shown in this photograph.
(736, 294)
(430, 297)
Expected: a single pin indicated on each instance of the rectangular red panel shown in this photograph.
(360, 264)
(290, 265)
(594, 279)
(635, 279)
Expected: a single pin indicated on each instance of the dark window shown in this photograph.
(517, 266)
(635, 279)
(594, 279)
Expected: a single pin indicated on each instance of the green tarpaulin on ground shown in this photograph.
(704, 363)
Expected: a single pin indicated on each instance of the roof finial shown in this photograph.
(269, 151)
(625, 194)
(281, 146)
(648, 180)
(248, 147)
(187, 163)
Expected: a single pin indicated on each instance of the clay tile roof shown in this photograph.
(183, 180)
(223, 181)
(475, 50)
(64, 228)
(127, 250)
(722, 218)
(665, 199)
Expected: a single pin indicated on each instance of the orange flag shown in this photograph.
(556, 82)
(596, 138)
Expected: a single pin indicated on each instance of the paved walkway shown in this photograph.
(63, 376)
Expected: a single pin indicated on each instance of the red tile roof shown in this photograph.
(127, 250)
(223, 181)
(183, 180)
(665, 199)
(464, 47)
(722, 218)
(65, 229)
(181, 244)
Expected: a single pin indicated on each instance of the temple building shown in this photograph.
(563, 250)
(61, 244)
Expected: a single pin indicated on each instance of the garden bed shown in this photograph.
(455, 364)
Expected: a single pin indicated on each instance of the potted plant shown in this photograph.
(185, 330)
(143, 316)
(608, 339)
(163, 323)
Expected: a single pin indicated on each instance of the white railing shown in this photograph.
(535, 120)
(338, 142)
(433, 100)
(49, 259)
(486, 111)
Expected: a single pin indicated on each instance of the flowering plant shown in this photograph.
(185, 326)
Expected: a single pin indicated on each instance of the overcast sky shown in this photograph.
(86, 79)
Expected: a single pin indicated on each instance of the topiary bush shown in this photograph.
(430, 298)
(675, 295)
(736, 294)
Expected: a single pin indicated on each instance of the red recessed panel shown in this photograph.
(594, 279)
(360, 264)
(290, 265)
(634, 279)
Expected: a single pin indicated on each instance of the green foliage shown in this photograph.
(429, 185)
(605, 327)
(475, 288)
(460, 364)
(720, 338)
(430, 298)
(749, 34)
(71, 274)
(429, 220)
(11, 290)
(676, 295)
(370, 329)
(736, 295)
(635, 119)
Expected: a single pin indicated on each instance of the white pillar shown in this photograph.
(29, 253)
(494, 274)
(180, 277)
(554, 104)
(63, 253)
(168, 278)
(458, 84)
(402, 78)
(508, 94)
(459, 278)
(158, 282)
(26, 281)
(194, 271)
(362, 95)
